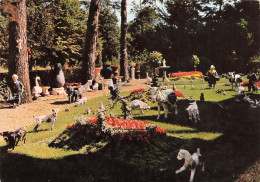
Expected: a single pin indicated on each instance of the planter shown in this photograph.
(115, 69)
(97, 70)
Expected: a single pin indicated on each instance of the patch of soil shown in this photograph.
(22, 116)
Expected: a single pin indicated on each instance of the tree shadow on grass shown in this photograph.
(59, 102)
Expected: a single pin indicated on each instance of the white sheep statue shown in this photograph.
(139, 104)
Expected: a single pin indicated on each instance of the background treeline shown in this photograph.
(223, 33)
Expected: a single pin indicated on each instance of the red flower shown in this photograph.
(179, 94)
(137, 91)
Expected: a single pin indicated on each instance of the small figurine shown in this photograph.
(202, 99)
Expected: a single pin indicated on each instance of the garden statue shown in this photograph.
(164, 63)
(137, 70)
(193, 111)
(125, 109)
(212, 77)
(139, 104)
(133, 71)
(57, 76)
(252, 82)
(114, 91)
(15, 90)
(36, 90)
(164, 98)
(191, 162)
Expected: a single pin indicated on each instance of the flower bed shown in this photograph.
(136, 91)
(247, 82)
(186, 75)
(179, 94)
(139, 94)
(119, 128)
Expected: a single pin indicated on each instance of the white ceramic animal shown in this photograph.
(240, 90)
(190, 162)
(46, 118)
(101, 105)
(193, 111)
(148, 79)
(248, 99)
(256, 104)
(88, 111)
(60, 92)
(95, 87)
(139, 104)
(86, 87)
(161, 97)
(81, 101)
(37, 90)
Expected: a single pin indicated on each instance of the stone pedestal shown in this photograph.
(133, 73)
(106, 82)
(164, 68)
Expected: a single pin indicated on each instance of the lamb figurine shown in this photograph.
(191, 162)
(139, 104)
(81, 102)
(193, 111)
(240, 90)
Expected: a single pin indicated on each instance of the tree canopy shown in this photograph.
(224, 33)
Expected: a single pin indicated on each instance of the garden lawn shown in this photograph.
(228, 139)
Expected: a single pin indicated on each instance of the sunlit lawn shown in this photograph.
(217, 131)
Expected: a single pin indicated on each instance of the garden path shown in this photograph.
(21, 116)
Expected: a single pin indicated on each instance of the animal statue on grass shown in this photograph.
(191, 162)
(46, 118)
(164, 98)
(115, 91)
(234, 79)
(240, 90)
(193, 112)
(36, 90)
(139, 104)
(12, 138)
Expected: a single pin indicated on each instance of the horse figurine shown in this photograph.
(164, 98)
(234, 79)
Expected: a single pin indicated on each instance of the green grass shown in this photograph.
(223, 137)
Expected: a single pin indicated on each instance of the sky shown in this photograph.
(130, 16)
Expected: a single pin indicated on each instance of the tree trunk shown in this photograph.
(18, 58)
(123, 42)
(89, 54)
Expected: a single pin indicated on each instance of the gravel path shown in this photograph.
(12, 119)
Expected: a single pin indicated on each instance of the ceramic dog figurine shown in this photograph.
(191, 162)
(12, 138)
(46, 118)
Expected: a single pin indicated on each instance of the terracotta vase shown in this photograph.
(115, 69)
(97, 70)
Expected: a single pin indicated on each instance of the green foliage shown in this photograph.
(70, 26)
(4, 46)
(109, 32)
(196, 61)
